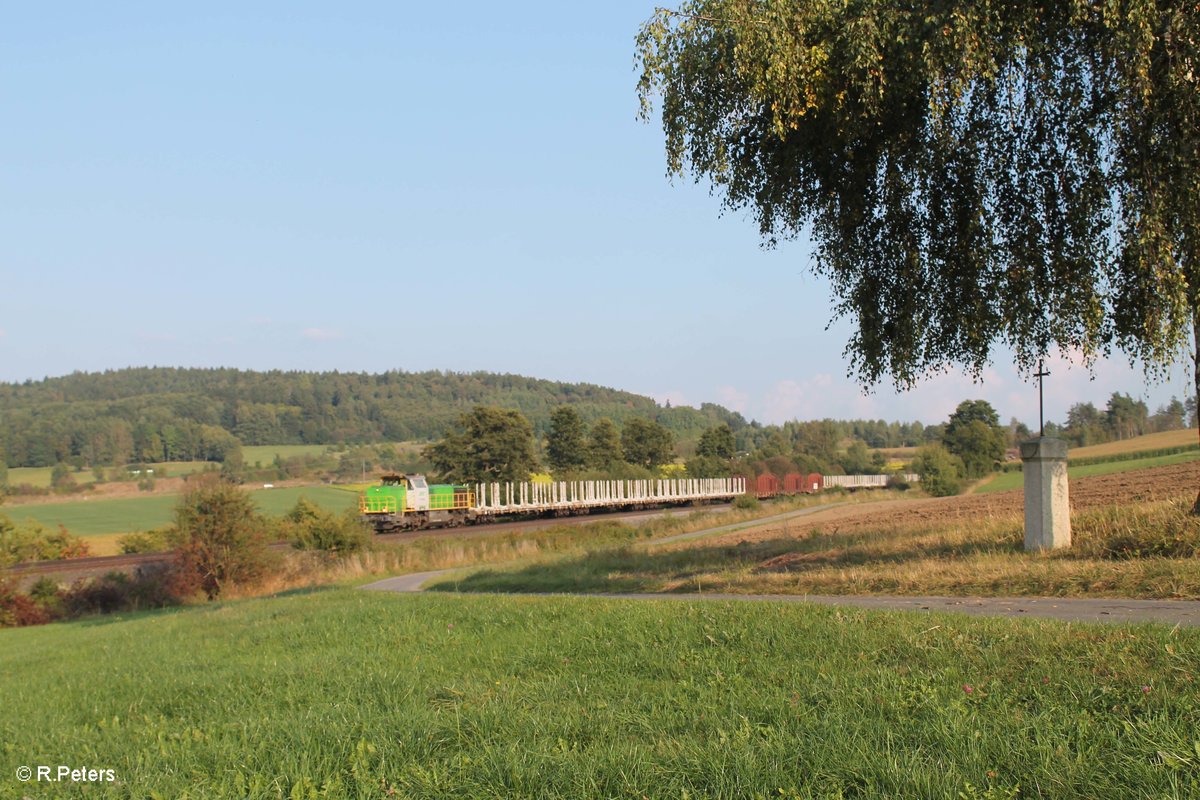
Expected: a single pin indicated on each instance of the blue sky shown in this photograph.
(373, 186)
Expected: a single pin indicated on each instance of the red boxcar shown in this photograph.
(766, 485)
(793, 483)
(815, 482)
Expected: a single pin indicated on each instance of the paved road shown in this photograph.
(1170, 612)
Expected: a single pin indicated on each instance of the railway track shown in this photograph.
(74, 568)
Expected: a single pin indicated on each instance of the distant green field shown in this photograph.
(265, 453)
(351, 694)
(1015, 480)
(34, 476)
(40, 476)
(94, 518)
(275, 502)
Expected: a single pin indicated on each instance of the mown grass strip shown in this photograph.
(353, 694)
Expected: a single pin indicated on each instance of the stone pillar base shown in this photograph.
(1047, 508)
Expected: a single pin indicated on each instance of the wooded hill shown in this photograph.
(156, 414)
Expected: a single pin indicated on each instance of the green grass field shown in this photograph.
(344, 693)
(1004, 481)
(98, 518)
(265, 454)
(40, 476)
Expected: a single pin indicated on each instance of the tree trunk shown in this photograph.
(1196, 385)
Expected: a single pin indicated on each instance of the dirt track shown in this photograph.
(1148, 484)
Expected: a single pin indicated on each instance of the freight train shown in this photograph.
(768, 485)
(408, 502)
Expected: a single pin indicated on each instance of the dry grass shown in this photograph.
(1151, 441)
(1147, 547)
(1139, 550)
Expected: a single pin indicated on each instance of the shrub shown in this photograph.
(147, 588)
(62, 544)
(745, 502)
(221, 538)
(312, 528)
(46, 593)
(32, 542)
(18, 609)
(155, 541)
(939, 470)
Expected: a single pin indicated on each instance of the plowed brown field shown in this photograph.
(1158, 483)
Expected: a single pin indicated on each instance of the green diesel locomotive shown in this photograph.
(407, 502)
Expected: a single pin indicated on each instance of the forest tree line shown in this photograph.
(150, 415)
(496, 444)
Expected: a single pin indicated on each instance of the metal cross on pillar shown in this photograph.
(1041, 373)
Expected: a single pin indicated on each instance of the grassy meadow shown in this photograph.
(265, 454)
(102, 521)
(39, 477)
(345, 693)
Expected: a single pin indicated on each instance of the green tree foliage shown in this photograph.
(714, 452)
(566, 444)
(1018, 432)
(707, 467)
(61, 478)
(220, 539)
(717, 442)
(970, 172)
(973, 433)
(1085, 425)
(1125, 417)
(604, 445)
(157, 414)
(646, 444)
(490, 444)
(940, 470)
(857, 460)
(819, 440)
(233, 467)
(972, 411)
(1170, 417)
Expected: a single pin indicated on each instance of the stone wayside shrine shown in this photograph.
(1044, 463)
(1047, 508)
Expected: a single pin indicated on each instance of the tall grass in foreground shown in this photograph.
(1147, 549)
(348, 694)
